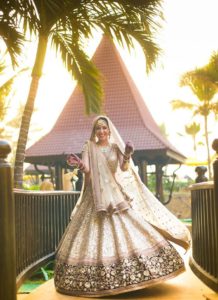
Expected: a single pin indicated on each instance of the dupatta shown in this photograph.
(108, 194)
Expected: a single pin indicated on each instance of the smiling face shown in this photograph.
(102, 131)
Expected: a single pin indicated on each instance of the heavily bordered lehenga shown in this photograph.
(119, 233)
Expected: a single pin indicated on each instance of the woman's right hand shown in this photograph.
(73, 160)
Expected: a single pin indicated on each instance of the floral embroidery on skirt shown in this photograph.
(131, 272)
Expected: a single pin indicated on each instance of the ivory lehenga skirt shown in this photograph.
(102, 254)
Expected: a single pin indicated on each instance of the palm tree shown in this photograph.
(66, 25)
(192, 129)
(202, 86)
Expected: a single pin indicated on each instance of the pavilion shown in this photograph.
(128, 111)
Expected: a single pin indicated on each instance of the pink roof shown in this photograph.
(122, 103)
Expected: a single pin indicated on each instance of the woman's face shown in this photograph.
(102, 131)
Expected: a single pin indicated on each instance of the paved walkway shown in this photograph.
(186, 286)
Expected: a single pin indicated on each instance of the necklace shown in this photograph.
(104, 149)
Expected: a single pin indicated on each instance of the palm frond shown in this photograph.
(200, 83)
(12, 38)
(179, 104)
(2, 66)
(29, 16)
(6, 86)
(193, 128)
(82, 69)
(5, 92)
(142, 4)
(212, 68)
(144, 32)
(123, 21)
(203, 110)
(214, 109)
(125, 33)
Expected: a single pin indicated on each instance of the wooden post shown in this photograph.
(159, 182)
(58, 177)
(7, 228)
(143, 168)
(215, 174)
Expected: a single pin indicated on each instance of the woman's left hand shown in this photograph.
(129, 149)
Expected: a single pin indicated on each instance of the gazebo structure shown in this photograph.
(127, 110)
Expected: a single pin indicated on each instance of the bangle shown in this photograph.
(125, 160)
(126, 157)
(125, 164)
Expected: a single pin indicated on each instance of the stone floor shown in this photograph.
(186, 286)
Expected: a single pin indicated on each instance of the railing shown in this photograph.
(204, 260)
(40, 221)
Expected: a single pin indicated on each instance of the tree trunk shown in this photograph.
(208, 147)
(28, 110)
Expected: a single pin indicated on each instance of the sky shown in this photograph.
(188, 38)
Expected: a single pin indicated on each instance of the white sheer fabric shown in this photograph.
(144, 201)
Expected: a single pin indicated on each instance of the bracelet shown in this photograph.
(126, 157)
(125, 161)
(125, 164)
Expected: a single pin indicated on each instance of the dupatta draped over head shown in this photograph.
(118, 191)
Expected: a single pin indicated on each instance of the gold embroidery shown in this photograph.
(134, 270)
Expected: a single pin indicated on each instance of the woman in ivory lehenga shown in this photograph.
(119, 237)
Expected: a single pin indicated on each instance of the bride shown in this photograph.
(118, 239)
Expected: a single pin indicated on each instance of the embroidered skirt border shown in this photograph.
(128, 274)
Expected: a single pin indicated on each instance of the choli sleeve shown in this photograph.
(85, 147)
(119, 154)
(124, 165)
(85, 155)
